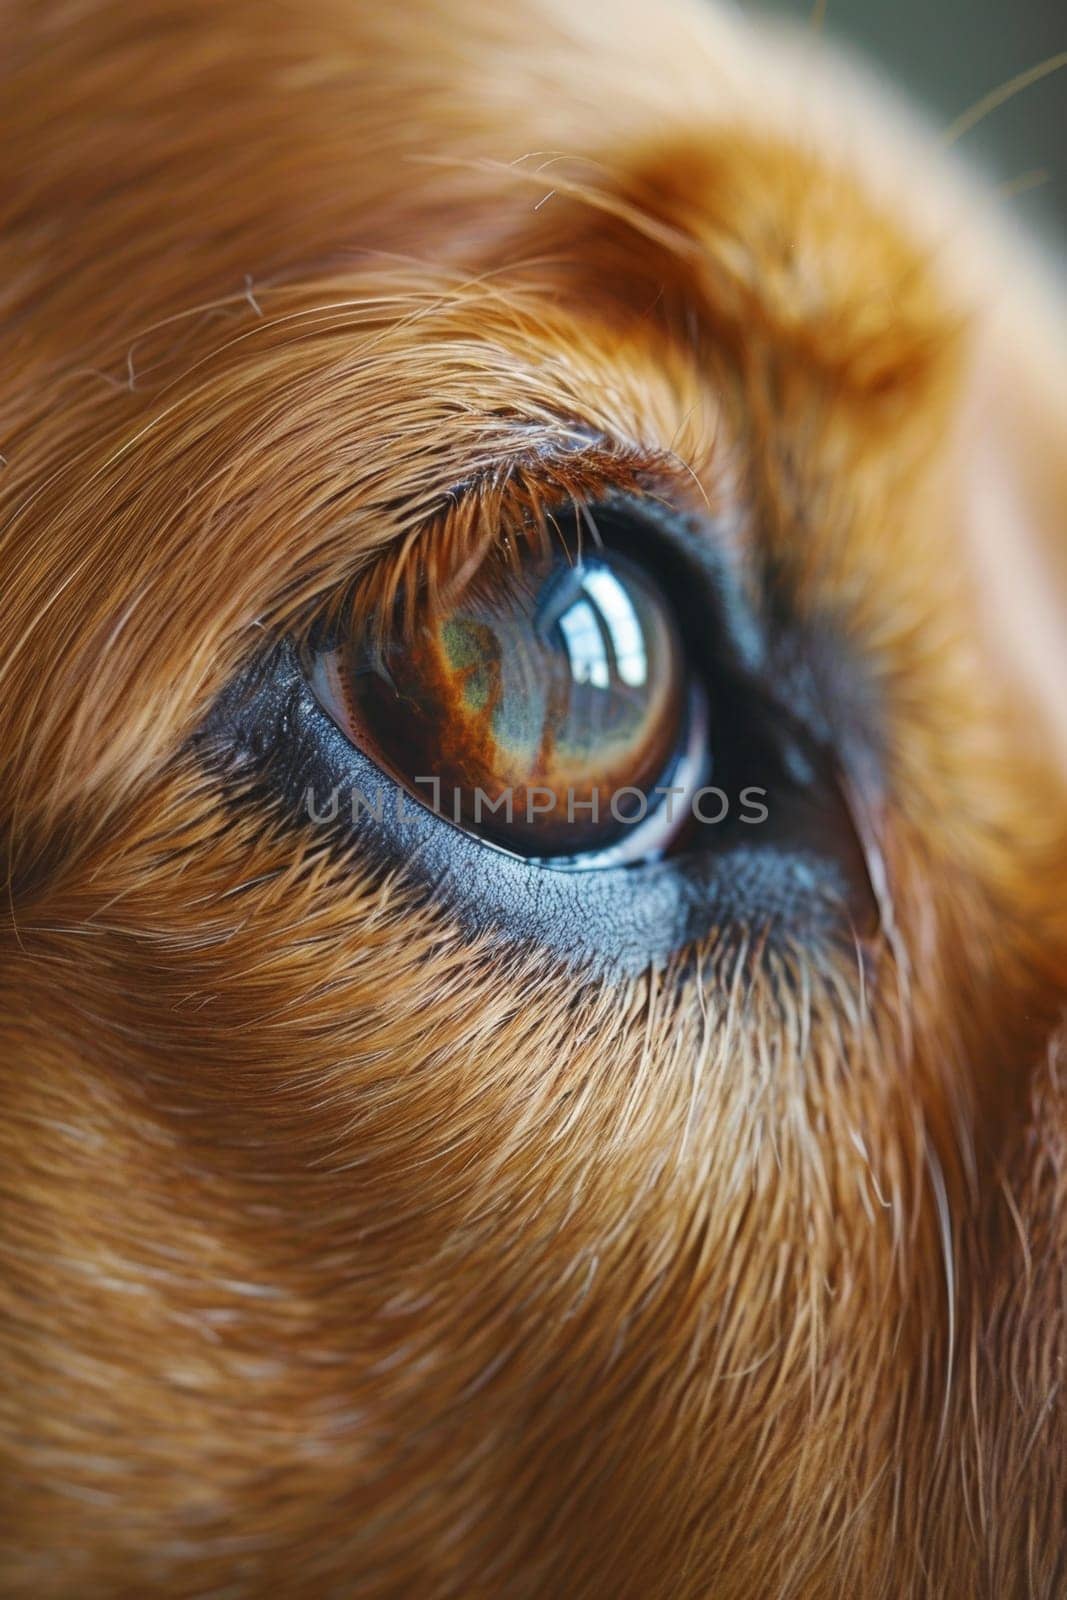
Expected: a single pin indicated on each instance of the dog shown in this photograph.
(398, 1207)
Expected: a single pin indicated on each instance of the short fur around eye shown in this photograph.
(346, 1250)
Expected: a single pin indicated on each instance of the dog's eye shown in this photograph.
(602, 693)
(544, 706)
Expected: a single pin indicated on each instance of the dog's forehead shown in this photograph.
(435, 127)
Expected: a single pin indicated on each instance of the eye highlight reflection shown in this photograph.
(601, 629)
(552, 699)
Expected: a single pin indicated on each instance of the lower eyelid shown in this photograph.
(612, 923)
(646, 839)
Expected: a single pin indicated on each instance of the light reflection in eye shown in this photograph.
(620, 622)
(601, 630)
(585, 645)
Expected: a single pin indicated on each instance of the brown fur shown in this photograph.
(342, 1254)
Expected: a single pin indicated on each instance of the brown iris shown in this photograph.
(546, 701)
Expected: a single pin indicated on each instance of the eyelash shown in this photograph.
(508, 513)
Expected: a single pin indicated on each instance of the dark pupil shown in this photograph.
(545, 693)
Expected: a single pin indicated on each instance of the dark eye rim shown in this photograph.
(792, 884)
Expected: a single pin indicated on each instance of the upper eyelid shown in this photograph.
(584, 468)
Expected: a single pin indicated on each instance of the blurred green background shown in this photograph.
(950, 53)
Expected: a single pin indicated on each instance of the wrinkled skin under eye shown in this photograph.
(548, 700)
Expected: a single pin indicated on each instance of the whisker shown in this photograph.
(997, 97)
(1023, 183)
